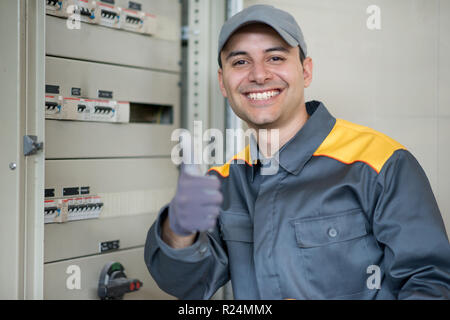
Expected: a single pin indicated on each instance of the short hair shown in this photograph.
(302, 57)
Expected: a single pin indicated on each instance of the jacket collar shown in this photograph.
(299, 149)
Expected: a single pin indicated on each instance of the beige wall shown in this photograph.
(395, 80)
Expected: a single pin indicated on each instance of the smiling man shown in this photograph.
(264, 79)
(349, 214)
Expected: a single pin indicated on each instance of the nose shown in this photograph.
(259, 73)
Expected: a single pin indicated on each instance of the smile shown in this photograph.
(264, 95)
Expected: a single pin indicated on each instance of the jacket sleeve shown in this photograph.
(195, 272)
(408, 224)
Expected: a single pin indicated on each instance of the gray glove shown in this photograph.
(196, 204)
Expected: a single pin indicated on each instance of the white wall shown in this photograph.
(395, 80)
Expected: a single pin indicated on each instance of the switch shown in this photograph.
(54, 3)
(114, 284)
(133, 20)
(85, 12)
(81, 107)
(107, 15)
(102, 110)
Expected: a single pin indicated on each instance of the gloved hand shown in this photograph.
(196, 204)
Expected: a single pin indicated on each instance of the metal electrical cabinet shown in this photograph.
(112, 101)
(92, 91)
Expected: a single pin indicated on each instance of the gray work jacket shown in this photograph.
(349, 214)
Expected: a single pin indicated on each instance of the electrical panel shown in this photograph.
(112, 100)
(132, 191)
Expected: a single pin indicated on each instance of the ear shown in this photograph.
(222, 87)
(307, 71)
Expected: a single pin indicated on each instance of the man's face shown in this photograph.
(262, 77)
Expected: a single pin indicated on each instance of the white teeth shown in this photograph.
(263, 96)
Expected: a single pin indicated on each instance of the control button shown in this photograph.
(332, 232)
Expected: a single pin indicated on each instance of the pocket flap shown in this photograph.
(236, 227)
(327, 230)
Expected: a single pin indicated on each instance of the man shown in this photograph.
(349, 214)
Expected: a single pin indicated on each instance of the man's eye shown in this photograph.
(239, 62)
(277, 59)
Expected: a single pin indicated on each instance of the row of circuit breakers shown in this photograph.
(78, 204)
(105, 13)
(83, 109)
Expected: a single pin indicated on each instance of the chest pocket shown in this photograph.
(333, 251)
(328, 230)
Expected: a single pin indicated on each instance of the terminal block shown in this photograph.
(70, 209)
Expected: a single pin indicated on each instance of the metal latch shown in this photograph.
(31, 146)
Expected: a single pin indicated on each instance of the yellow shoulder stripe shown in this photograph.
(349, 142)
(244, 155)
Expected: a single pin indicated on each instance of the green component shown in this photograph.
(116, 267)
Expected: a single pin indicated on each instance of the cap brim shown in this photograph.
(283, 34)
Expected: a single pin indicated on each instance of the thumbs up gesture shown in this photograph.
(196, 204)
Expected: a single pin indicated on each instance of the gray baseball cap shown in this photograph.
(281, 21)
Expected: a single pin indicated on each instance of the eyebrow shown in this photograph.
(238, 53)
(283, 49)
